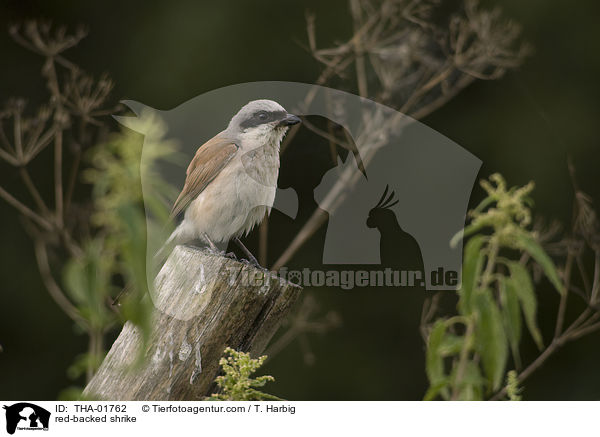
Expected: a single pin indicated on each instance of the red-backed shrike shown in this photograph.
(232, 179)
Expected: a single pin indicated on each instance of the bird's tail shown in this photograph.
(165, 250)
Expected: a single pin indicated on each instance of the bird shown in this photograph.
(231, 180)
(397, 247)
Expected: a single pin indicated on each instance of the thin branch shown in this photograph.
(72, 180)
(536, 364)
(18, 135)
(361, 73)
(33, 190)
(58, 185)
(59, 117)
(54, 290)
(4, 139)
(563, 298)
(9, 158)
(316, 220)
(326, 135)
(39, 145)
(570, 334)
(25, 210)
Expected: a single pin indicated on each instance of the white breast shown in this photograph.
(236, 200)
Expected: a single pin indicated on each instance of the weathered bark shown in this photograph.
(203, 303)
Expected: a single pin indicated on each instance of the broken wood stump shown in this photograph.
(203, 302)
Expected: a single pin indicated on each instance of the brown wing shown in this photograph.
(208, 162)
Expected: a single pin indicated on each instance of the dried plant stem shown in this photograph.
(556, 343)
(326, 135)
(50, 70)
(54, 290)
(336, 194)
(596, 280)
(334, 67)
(58, 185)
(33, 191)
(361, 72)
(318, 217)
(301, 323)
(17, 136)
(583, 325)
(9, 158)
(316, 220)
(562, 307)
(41, 221)
(338, 64)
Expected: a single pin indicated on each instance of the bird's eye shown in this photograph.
(262, 116)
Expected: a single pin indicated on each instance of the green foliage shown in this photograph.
(490, 340)
(511, 314)
(83, 362)
(87, 280)
(520, 283)
(236, 384)
(467, 354)
(434, 364)
(117, 172)
(116, 252)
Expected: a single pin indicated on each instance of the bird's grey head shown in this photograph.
(262, 119)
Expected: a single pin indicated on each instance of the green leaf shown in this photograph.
(434, 362)
(469, 230)
(87, 280)
(82, 363)
(490, 338)
(471, 383)
(472, 265)
(520, 282)
(527, 243)
(434, 390)
(484, 204)
(451, 344)
(511, 313)
(469, 393)
(472, 375)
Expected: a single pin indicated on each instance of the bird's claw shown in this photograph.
(253, 262)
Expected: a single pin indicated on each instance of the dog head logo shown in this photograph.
(26, 416)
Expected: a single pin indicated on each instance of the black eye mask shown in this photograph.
(259, 118)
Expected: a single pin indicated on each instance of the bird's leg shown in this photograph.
(215, 249)
(251, 257)
(210, 243)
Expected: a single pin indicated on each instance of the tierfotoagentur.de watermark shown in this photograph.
(346, 279)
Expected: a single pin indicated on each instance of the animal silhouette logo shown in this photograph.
(432, 179)
(431, 176)
(348, 240)
(26, 416)
(397, 248)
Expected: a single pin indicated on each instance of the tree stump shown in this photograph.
(203, 303)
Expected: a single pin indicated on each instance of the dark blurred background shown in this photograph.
(163, 53)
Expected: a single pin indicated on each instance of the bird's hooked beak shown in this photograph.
(289, 120)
